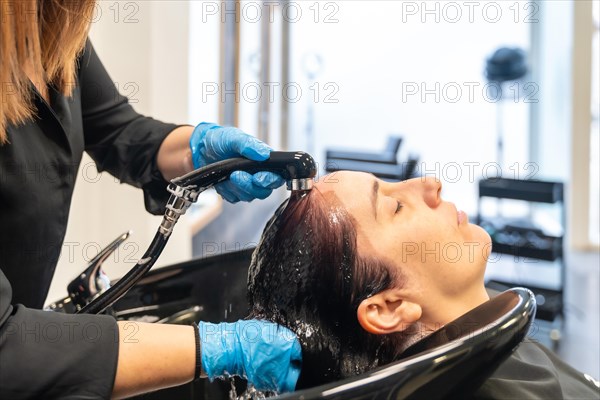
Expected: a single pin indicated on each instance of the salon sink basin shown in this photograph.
(210, 289)
(450, 363)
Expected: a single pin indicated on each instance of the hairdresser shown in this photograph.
(57, 102)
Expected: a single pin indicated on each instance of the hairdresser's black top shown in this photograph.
(41, 353)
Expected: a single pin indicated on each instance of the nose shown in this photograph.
(432, 188)
(427, 188)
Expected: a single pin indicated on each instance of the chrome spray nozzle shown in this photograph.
(303, 184)
(297, 168)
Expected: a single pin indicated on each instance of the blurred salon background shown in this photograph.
(474, 93)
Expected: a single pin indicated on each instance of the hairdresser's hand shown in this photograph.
(211, 143)
(267, 355)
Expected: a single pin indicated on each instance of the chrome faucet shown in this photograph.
(92, 282)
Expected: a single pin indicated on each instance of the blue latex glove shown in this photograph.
(269, 356)
(211, 143)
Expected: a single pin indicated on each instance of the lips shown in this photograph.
(461, 216)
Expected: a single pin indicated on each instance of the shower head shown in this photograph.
(297, 168)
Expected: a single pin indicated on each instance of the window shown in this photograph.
(417, 69)
(595, 132)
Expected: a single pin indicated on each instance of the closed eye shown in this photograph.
(398, 207)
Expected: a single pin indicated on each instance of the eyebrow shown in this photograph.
(374, 194)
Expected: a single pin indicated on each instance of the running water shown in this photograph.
(251, 393)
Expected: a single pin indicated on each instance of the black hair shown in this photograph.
(306, 275)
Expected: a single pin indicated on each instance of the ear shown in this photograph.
(387, 312)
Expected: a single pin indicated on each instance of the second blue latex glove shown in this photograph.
(269, 356)
(211, 143)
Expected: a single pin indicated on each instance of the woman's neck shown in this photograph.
(443, 313)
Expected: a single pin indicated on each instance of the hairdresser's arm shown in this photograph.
(51, 355)
(155, 356)
(174, 156)
(152, 357)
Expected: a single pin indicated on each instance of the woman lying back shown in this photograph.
(360, 269)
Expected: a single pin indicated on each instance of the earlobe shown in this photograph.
(387, 312)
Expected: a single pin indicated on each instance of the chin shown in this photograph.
(484, 239)
(479, 232)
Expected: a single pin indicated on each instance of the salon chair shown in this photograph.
(387, 156)
(391, 172)
(384, 164)
(450, 363)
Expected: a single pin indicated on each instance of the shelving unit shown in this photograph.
(524, 239)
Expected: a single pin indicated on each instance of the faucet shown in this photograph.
(92, 281)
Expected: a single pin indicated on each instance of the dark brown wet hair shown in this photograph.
(307, 275)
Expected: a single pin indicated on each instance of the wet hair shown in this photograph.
(307, 275)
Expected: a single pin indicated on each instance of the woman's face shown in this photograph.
(407, 223)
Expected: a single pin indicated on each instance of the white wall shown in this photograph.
(581, 214)
(144, 46)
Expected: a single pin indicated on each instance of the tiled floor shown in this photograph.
(240, 225)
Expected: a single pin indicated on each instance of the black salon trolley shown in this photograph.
(528, 241)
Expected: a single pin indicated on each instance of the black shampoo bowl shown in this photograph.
(450, 363)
